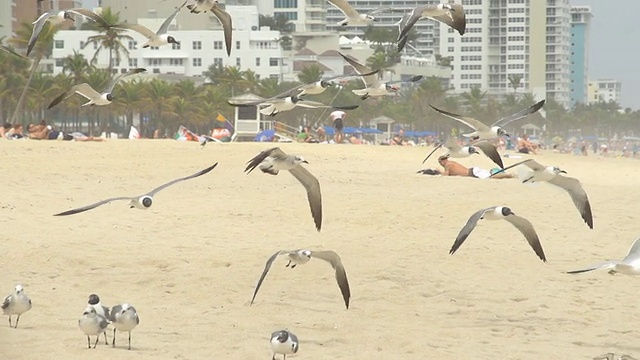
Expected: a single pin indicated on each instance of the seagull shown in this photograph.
(497, 213)
(283, 342)
(94, 97)
(221, 14)
(158, 38)
(450, 14)
(456, 151)
(320, 86)
(630, 265)
(373, 86)
(551, 174)
(485, 132)
(92, 323)
(302, 256)
(142, 201)
(17, 303)
(277, 105)
(54, 17)
(94, 302)
(273, 160)
(352, 16)
(612, 356)
(124, 318)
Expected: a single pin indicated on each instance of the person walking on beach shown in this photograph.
(338, 124)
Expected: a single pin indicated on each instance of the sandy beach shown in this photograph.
(190, 263)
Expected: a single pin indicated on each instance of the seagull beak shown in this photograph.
(305, 161)
(395, 87)
(562, 171)
(507, 135)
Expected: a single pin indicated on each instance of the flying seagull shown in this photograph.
(17, 303)
(275, 105)
(373, 86)
(124, 318)
(274, 160)
(54, 17)
(456, 151)
(158, 38)
(94, 302)
(352, 16)
(92, 323)
(319, 86)
(221, 14)
(10, 51)
(450, 14)
(94, 97)
(630, 265)
(551, 174)
(283, 342)
(141, 201)
(498, 213)
(302, 256)
(483, 131)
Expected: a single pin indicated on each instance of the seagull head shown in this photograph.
(94, 299)
(501, 132)
(172, 40)
(109, 97)
(325, 84)
(125, 308)
(305, 253)
(392, 87)
(505, 211)
(282, 336)
(146, 201)
(19, 289)
(299, 160)
(89, 311)
(556, 170)
(371, 18)
(67, 15)
(446, 7)
(473, 150)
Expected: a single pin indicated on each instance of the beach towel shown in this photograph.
(133, 133)
(185, 134)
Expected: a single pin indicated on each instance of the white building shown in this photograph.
(605, 90)
(305, 15)
(198, 49)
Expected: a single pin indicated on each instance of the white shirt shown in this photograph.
(338, 114)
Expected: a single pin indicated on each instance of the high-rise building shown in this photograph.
(15, 12)
(580, 20)
(512, 46)
(604, 90)
(305, 15)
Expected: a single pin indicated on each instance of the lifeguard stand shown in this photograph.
(248, 122)
(382, 123)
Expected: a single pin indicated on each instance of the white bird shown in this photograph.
(275, 105)
(140, 202)
(551, 175)
(54, 17)
(160, 37)
(94, 302)
(320, 86)
(303, 256)
(450, 14)
(17, 303)
(124, 318)
(221, 14)
(483, 131)
(273, 160)
(353, 17)
(283, 342)
(94, 97)
(630, 265)
(92, 324)
(373, 86)
(456, 151)
(501, 213)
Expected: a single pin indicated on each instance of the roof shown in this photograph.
(298, 65)
(305, 51)
(382, 119)
(248, 97)
(331, 53)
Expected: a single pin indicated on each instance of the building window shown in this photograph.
(257, 61)
(238, 62)
(290, 15)
(59, 62)
(175, 46)
(217, 61)
(175, 62)
(133, 63)
(217, 45)
(197, 62)
(197, 45)
(58, 44)
(82, 44)
(132, 44)
(273, 61)
(287, 4)
(237, 45)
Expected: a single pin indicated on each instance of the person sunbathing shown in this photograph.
(452, 168)
(46, 132)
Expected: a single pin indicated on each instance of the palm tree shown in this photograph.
(129, 99)
(310, 74)
(251, 80)
(98, 79)
(159, 94)
(40, 89)
(75, 65)
(109, 38)
(474, 98)
(514, 81)
(233, 79)
(13, 72)
(214, 73)
(268, 87)
(379, 60)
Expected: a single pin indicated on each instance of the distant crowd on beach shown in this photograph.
(41, 131)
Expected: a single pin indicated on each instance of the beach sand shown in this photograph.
(190, 263)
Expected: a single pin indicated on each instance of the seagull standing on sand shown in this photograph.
(551, 175)
(94, 302)
(501, 213)
(303, 256)
(352, 16)
(483, 131)
(17, 303)
(160, 37)
(273, 160)
(140, 202)
(456, 151)
(283, 342)
(630, 265)
(450, 14)
(124, 318)
(92, 324)
(222, 15)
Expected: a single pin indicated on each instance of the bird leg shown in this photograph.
(17, 319)
(612, 272)
(97, 339)
(529, 179)
(10, 325)
(364, 97)
(113, 344)
(129, 340)
(105, 338)
(88, 342)
(289, 263)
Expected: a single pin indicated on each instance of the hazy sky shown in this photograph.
(612, 53)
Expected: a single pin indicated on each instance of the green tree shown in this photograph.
(514, 81)
(310, 74)
(110, 39)
(379, 60)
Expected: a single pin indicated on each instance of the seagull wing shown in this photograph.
(431, 153)
(532, 164)
(341, 275)
(456, 18)
(311, 104)
(83, 89)
(634, 250)
(258, 159)
(165, 25)
(520, 114)
(115, 80)
(115, 310)
(313, 192)
(469, 121)
(490, 150)
(10, 51)
(416, 15)
(606, 265)
(37, 28)
(369, 80)
(529, 233)
(227, 26)
(6, 302)
(199, 173)
(143, 30)
(267, 266)
(91, 15)
(346, 9)
(92, 206)
(578, 195)
(468, 228)
(413, 79)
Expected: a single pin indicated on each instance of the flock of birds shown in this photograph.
(96, 317)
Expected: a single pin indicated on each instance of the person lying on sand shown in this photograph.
(452, 168)
(46, 132)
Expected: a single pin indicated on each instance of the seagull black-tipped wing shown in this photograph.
(256, 160)
(468, 228)
(312, 185)
(341, 275)
(528, 162)
(83, 89)
(578, 195)
(431, 153)
(526, 228)
(520, 114)
(469, 121)
(37, 28)
(165, 25)
(227, 26)
(92, 206)
(606, 264)
(115, 80)
(410, 21)
(490, 150)
(369, 80)
(97, 19)
(267, 266)
(199, 173)
(455, 18)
